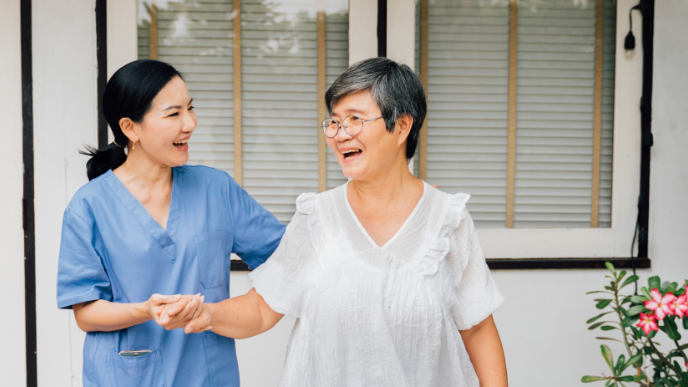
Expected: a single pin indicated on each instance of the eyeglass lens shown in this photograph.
(352, 125)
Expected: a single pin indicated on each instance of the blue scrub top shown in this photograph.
(112, 249)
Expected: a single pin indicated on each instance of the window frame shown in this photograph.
(504, 245)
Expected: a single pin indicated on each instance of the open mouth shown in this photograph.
(181, 145)
(351, 154)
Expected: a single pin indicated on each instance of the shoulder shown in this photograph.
(306, 202)
(90, 195)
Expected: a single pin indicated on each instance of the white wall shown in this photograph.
(65, 118)
(12, 323)
(669, 172)
(543, 322)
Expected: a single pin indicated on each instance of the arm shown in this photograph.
(487, 355)
(106, 316)
(239, 317)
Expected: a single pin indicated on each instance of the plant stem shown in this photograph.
(678, 347)
(618, 313)
(660, 356)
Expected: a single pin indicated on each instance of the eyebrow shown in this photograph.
(176, 106)
(349, 112)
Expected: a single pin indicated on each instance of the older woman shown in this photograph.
(385, 273)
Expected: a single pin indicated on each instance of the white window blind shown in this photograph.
(280, 108)
(196, 38)
(608, 78)
(554, 121)
(468, 80)
(468, 54)
(337, 60)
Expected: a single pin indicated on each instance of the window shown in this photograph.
(520, 108)
(256, 87)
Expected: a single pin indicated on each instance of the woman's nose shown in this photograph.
(189, 122)
(342, 135)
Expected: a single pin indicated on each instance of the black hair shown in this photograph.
(397, 90)
(129, 93)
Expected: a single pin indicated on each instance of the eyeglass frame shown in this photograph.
(341, 124)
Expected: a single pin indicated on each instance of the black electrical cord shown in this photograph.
(629, 42)
(635, 234)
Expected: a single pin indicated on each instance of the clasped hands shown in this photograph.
(178, 311)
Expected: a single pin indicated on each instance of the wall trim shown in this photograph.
(29, 221)
(101, 55)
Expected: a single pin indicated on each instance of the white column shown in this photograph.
(12, 332)
(65, 118)
(122, 35)
(362, 30)
(401, 31)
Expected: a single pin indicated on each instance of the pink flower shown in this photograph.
(660, 305)
(679, 306)
(648, 322)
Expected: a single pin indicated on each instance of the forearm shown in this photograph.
(487, 355)
(105, 316)
(238, 317)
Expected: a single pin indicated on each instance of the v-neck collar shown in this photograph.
(165, 237)
(399, 231)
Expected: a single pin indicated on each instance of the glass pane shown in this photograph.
(555, 103)
(468, 74)
(196, 38)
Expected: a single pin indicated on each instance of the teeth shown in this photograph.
(181, 142)
(350, 151)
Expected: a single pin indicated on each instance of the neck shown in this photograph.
(142, 171)
(394, 183)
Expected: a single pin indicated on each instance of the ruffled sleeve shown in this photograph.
(477, 295)
(284, 278)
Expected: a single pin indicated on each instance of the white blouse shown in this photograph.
(379, 316)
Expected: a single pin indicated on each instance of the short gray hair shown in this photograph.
(396, 89)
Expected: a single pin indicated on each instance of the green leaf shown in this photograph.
(593, 326)
(652, 335)
(590, 378)
(608, 338)
(629, 281)
(603, 304)
(670, 329)
(683, 347)
(596, 317)
(610, 267)
(639, 299)
(608, 328)
(599, 291)
(654, 283)
(620, 363)
(628, 321)
(627, 378)
(607, 354)
(632, 361)
(634, 310)
(646, 292)
(621, 275)
(685, 323)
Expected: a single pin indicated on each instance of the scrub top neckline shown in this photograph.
(165, 237)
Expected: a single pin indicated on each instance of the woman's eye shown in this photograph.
(192, 108)
(173, 115)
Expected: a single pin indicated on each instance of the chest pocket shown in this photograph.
(212, 251)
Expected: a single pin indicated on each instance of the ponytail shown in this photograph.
(128, 94)
(102, 160)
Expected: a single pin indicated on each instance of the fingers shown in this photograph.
(159, 299)
(199, 309)
(181, 318)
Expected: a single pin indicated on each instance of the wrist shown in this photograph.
(140, 310)
(209, 310)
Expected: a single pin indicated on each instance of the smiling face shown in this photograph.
(163, 134)
(374, 151)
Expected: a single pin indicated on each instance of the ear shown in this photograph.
(403, 127)
(129, 129)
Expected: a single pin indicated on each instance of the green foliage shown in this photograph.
(647, 365)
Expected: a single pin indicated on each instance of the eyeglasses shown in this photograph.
(353, 125)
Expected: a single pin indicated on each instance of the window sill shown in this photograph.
(535, 263)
